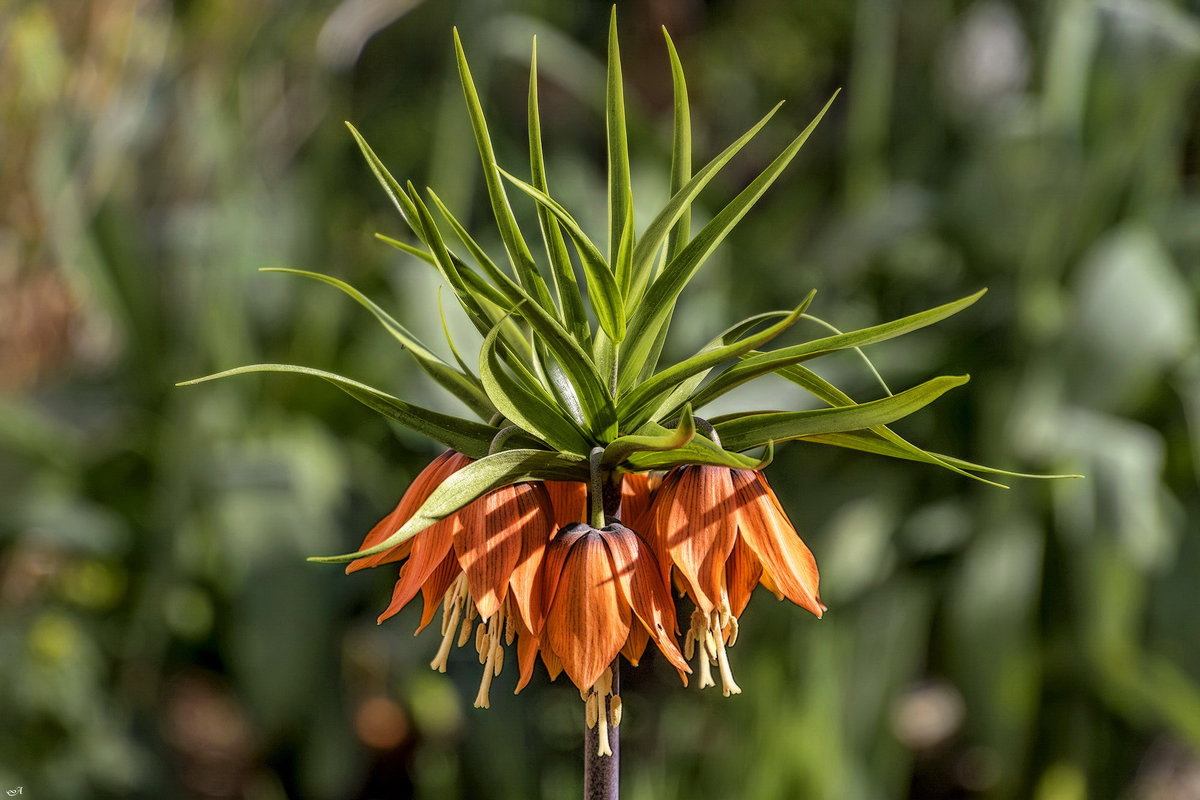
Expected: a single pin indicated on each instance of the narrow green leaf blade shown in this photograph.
(635, 407)
(603, 291)
(758, 364)
(620, 191)
(525, 405)
(514, 243)
(472, 482)
(465, 436)
(462, 384)
(755, 430)
(570, 300)
(660, 297)
(673, 220)
(681, 156)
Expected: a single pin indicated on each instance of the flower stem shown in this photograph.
(601, 774)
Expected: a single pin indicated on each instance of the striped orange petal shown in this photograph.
(434, 589)
(489, 544)
(418, 492)
(697, 526)
(588, 621)
(636, 494)
(765, 527)
(570, 501)
(643, 589)
(430, 548)
(526, 579)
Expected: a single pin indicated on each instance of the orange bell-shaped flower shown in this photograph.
(725, 532)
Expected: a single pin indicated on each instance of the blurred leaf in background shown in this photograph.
(160, 633)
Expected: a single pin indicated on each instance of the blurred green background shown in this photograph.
(160, 632)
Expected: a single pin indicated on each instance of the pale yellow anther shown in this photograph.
(614, 710)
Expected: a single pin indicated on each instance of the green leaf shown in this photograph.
(620, 191)
(673, 220)
(570, 300)
(514, 243)
(651, 437)
(465, 436)
(446, 332)
(681, 155)
(755, 430)
(699, 451)
(680, 394)
(463, 385)
(758, 364)
(473, 481)
(408, 248)
(870, 442)
(603, 291)
(525, 404)
(589, 387)
(390, 185)
(635, 407)
(663, 292)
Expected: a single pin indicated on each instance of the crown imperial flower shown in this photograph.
(543, 524)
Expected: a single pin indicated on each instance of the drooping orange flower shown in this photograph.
(601, 586)
(483, 561)
(725, 532)
(637, 489)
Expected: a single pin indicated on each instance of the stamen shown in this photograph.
(451, 611)
(728, 685)
(489, 637)
(595, 712)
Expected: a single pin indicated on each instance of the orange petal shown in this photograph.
(526, 580)
(742, 573)
(553, 561)
(489, 544)
(588, 622)
(430, 548)
(570, 501)
(418, 492)
(527, 650)
(635, 501)
(766, 529)
(699, 529)
(434, 589)
(636, 644)
(643, 589)
(553, 664)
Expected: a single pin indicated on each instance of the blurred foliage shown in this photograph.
(160, 633)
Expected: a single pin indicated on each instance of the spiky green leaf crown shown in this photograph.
(551, 384)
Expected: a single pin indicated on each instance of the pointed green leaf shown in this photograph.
(635, 407)
(663, 292)
(589, 387)
(390, 185)
(778, 426)
(462, 364)
(514, 243)
(603, 292)
(758, 364)
(620, 191)
(673, 220)
(681, 160)
(679, 395)
(651, 437)
(573, 316)
(473, 481)
(525, 404)
(465, 436)
(408, 248)
(463, 385)
(699, 451)
(869, 442)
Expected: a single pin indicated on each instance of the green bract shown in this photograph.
(551, 382)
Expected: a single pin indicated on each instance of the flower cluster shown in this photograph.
(521, 564)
